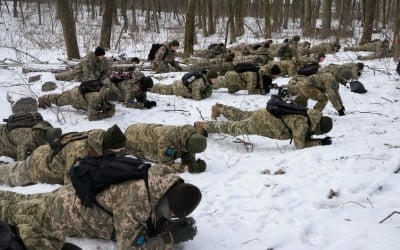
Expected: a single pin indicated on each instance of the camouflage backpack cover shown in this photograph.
(59, 144)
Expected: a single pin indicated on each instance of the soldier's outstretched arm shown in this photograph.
(243, 127)
(332, 91)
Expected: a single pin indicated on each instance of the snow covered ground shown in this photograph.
(245, 204)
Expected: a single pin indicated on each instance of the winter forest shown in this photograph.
(197, 80)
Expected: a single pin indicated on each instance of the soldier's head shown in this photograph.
(296, 38)
(345, 75)
(135, 60)
(46, 135)
(336, 47)
(321, 57)
(275, 71)
(100, 53)
(360, 67)
(182, 199)
(113, 140)
(146, 83)
(212, 76)
(196, 143)
(174, 45)
(111, 96)
(324, 126)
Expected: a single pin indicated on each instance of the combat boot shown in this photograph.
(199, 127)
(216, 111)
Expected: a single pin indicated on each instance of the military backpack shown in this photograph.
(357, 87)
(245, 67)
(153, 50)
(91, 175)
(189, 77)
(64, 139)
(309, 69)
(279, 107)
(9, 238)
(90, 86)
(23, 120)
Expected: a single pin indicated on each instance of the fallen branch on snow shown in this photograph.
(390, 215)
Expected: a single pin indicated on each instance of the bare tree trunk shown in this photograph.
(384, 14)
(93, 14)
(396, 38)
(134, 26)
(189, 29)
(316, 5)
(286, 14)
(67, 21)
(210, 14)
(267, 19)
(15, 8)
(124, 4)
(239, 18)
(326, 18)
(148, 16)
(307, 18)
(39, 12)
(22, 12)
(369, 21)
(231, 12)
(115, 17)
(106, 26)
(203, 16)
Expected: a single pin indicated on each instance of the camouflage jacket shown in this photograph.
(336, 68)
(44, 220)
(291, 53)
(163, 144)
(163, 58)
(240, 81)
(322, 48)
(19, 143)
(197, 90)
(130, 90)
(91, 68)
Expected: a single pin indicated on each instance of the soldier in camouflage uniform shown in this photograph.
(254, 82)
(19, 143)
(263, 123)
(44, 220)
(51, 163)
(99, 105)
(325, 48)
(373, 46)
(380, 52)
(320, 87)
(290, 53)
(164, 58)
(335, 69)
(288, 68)
(93, 66)
(132, 91)
(165, 144)
(197, 90)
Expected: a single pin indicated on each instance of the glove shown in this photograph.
(326, 141)
(341, 111)
(183, 230)
(197, 166)
(149, 104)
(108, 113)
(70, 246)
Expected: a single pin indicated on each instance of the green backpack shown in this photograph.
(23, 120)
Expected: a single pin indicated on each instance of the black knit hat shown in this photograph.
(113, 138)
(296, 38)
(360, 66)
(183, 198)
(174, 43)
(146, 83)
(99, 51)
(275, 70)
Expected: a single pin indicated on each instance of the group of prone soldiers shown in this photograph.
(152, 214)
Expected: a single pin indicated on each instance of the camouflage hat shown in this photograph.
(345, 74)
(302, 101)
(174, 43)
(146, 83)
(99, 51)
(52, 134)
(324, 126)
(196, 143)
(113, 138)
(111, 96)
(183, 198)
(211, 75)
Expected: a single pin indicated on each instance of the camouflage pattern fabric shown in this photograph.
(197, 90)
(46, 166)
(129, 90)
(94, 102)
(263, 123)
(89, 68)
(19, 143)
(372, 46)
(44, 220)
(152, 141)
(239, 81)
(288, 68)
(322, 48)
(291, 53)
(336, 68)
(164, 60)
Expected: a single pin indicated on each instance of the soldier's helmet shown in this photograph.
(296, 38)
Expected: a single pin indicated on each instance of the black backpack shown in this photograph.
(279, 107)
(189, 77)
(309, 69)
(23, 120)
(92, 175)
(90, 86)
(153, 51)
(64, 139)
(357, 87)
(245, 67)
(9, 238)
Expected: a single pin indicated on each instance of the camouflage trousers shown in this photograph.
(65, 98)
(163, 89)
(16, 173)
(288, 68)
(162, 67)
(26, 212)
(65, 76)
(239, 123)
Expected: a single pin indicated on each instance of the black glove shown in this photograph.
(70, 246)
(326, 141)
(183, 230)
(197, 166)
(149, 104)
(341, 111)
(283, 92)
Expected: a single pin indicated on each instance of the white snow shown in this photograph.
(242, 207)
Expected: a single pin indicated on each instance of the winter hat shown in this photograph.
(174, 43)
(296, 38)
(360, 66)
(211, 75)
(111, 96)
(113, 138)
(99, 51)
(275, 70)
(345, 74)
(183, 198)
(324, 126)
(146, 83)
(301, 101)
(52, 134)
(196, 143)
